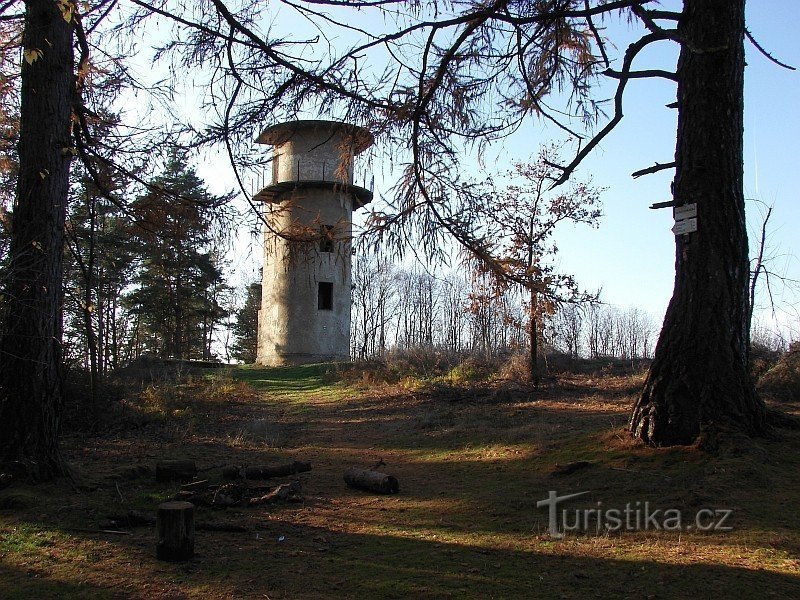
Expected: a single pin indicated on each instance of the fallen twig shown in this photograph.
(106, 531)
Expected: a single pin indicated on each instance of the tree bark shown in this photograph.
(30, 338)
(175, 525)
(371, 481)
(699, 380)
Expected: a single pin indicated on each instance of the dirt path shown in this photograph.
(471, 464)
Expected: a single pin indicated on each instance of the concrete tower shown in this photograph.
(305, 306)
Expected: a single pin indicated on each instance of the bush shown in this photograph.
(782, 381)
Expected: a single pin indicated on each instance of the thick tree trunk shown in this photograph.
(699, 378)
(30, 339)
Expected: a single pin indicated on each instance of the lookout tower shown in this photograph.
(305, 299)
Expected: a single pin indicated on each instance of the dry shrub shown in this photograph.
(515, 368)
(400, 367)
(782, 381)
(471, 370)
(178, 404)
(762, 359)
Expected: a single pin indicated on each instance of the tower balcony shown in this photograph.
(315, 154)
(314, 175)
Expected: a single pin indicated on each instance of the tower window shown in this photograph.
(326, 238)
(325, 295)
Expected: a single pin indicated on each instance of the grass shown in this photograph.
(472, 463)
(295, 383)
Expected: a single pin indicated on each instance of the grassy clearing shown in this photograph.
(473, 457)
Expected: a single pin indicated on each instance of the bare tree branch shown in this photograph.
(654, 169)
(761, 49)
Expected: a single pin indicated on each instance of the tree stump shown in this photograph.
(372, 481)
(175, 470)
(175, 526)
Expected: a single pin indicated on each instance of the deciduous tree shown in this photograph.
(516, 224)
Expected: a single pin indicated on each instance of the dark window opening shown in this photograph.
(325, 295)
(326, 238)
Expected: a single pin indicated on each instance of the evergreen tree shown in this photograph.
(179, 278)
(245, 329)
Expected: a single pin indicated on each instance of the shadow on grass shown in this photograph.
(33, 584)
(315, 562)
(464, 525)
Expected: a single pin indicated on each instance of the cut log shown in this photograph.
(266, 472)
(371, 481)
(133, 518)
(286, 492)
(175, 470)
(175, 528)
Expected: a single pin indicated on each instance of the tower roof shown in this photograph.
(283, 132)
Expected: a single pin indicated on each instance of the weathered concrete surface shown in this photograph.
(292, 328)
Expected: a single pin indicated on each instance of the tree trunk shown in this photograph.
(533, 358)
(89, 308)
(30, 346)
(699, 380)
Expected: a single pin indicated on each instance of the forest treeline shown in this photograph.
(151, 277)
(398, 307)
(143, 276)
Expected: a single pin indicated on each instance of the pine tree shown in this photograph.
(245, 329)
(179, 276)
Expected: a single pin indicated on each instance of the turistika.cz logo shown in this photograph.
(636, 516)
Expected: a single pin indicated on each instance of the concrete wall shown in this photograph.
(317, 154)
(292, 329)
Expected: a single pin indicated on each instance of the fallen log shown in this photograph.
(130, 472)
(286, 492)
(133, 518)
(175, 528)
(371, 481)
(266, 472)
(175, 470)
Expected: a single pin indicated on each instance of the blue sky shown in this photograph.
(631, 255)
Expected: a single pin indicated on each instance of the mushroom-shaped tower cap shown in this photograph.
(283, 132)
